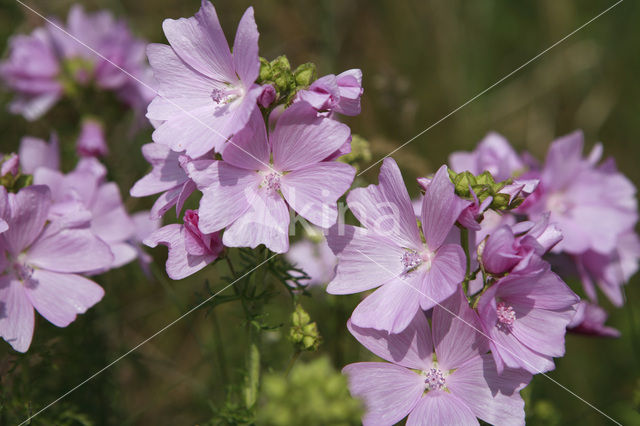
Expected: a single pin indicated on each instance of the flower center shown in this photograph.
(271, 181)
(225, 96)
(20, 268)
(411, 259)
(433, 379)
(506, 317)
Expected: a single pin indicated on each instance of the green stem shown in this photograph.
(252, 366)
(294, 358)
(222, 359)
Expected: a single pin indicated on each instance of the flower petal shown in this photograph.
(366, 260)
(227, 192)
(386, 208)
(265, 222)
(60, 297)
(16, 314)
(441, 408)
(389, 392)
(313, 192)
(302, 137)
(249, 148)
(245, 49)
(29, 209)
(440, 208)
(412, 348)
(444, 277)
(200, 42)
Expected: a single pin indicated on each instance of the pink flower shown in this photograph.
(4, 209)
(40, 265)
(9, 165)
(493, 154)
(589, 319)
(610, 271)
(206, 93)
(32, 72)
(390, 253)
(91, 141)
(437, 376)
(514, 248)
(249, 192)
(83, 195)
(592, 205)
(315, 258)
(333, 93)
(190, 249)
(168, 176)
(35, 153)
(525, 317)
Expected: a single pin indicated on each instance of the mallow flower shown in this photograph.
(389, 251)
(32, 71)
(435, 375)
(205, 93)
(335, 93)
(250, 191)
(190, 249)
(168, 176)
(610, 271)
(591, 204)
(589, 319)
(525, 316)
(40, 263)
(91, 140)
(4, 207)
(35, 153)
(493, 154)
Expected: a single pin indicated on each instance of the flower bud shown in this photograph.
(305, 74)
(91, 141)
(304, 333)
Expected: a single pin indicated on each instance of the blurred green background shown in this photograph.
(421, 60)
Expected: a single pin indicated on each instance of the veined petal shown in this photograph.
(366, 260)
(441, 408)
(60, 297)
(17, 319)
(245, 49)
(249, 148)
(444, 277)
(389, 391)
(29, 209)
(411, 348)
(313, 192)
(302, 137)
(265, 222)
(386, 208)
(200, 42)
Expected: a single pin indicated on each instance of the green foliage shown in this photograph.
(314, 393)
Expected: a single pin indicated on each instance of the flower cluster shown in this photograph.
(56, 60)
(57, 229)
(257, 140)
(478, 261)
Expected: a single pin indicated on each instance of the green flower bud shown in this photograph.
(305, 74)
(500, 202)
(265, 71)
(304, 333)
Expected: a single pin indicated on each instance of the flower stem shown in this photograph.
(252, 366)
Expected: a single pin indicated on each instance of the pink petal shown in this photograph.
(249, 148)
(313, 192)
(227, 193)
(302, 137)
(412, 348)
(440, 208)
(457, 332)
(35, 153)
(392, 307)
(195, 131)
(180, 86)
(265, 222)
(564, 160)
(16, 314)
(180, 264)
(200, 42)
(166, 173)
(389, 391)
(110, 219)
(60, 297)
(245, 49)
(441, 408)
(29, 209)
(492, 397)
(444, 277)
(70, 250)
(386, 208)
(366, 260)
